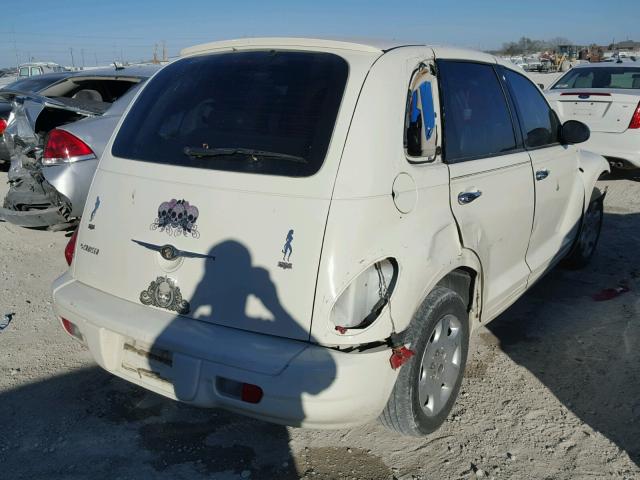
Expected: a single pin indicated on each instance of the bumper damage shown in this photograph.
(31, 200)
(202, 364)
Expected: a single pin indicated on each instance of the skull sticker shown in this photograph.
(163, 293)
(177, 217)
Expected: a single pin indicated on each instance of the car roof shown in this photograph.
(613, 64)
(39, 64)
(374, 46)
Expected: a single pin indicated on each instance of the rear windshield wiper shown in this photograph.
(230, 152)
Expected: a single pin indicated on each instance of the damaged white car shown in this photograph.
(55, 138)
(308, 231)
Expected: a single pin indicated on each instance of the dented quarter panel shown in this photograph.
(364, 225)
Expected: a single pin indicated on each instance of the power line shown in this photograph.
(107, 37)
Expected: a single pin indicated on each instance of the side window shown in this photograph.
(420, 123)
(24, 72)
(477, 121)
(540, 124)
(36, 71)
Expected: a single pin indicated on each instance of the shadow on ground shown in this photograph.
(89, 424)
(586, 353)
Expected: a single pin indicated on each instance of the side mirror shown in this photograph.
(574, 132)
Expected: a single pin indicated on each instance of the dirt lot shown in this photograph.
(552, 390)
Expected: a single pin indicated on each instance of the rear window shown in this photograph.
(600, 77)
(269, 112)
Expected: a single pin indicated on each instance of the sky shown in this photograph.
(104, 31)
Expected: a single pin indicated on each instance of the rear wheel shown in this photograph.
(587, 240)
(427, 387)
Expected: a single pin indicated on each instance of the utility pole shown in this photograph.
(73, 63)
(164, 51)
(82, 53)
(15, 49)
(155, 53)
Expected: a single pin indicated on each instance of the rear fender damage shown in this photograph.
(31, 200)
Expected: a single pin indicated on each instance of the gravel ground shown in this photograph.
(551, 391)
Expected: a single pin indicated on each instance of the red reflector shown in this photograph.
(68, 326)
(62, 145)
(400, 356)
(251, 393)
(3, 125)
(635, 120)
(70, 249)
(71, 329)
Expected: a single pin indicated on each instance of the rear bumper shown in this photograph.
(623, 146)
(303, 384)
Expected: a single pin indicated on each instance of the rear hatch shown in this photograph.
(603, 111)
(227, 160)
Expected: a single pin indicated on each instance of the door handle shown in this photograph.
(542, 174)
(468, 197)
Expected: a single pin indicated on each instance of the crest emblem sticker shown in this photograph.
(177, 217)
(287, 250)
(164, 293)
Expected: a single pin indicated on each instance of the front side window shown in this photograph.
(477, 121)
(24, 72)
(540, 124)
(600, 77)
(36, 71)
(268, 112)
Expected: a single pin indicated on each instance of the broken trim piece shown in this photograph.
(35, 218)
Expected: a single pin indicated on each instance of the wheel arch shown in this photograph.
(466, 279)
(592, 166)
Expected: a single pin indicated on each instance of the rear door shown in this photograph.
(490, 177)
(559, 189)
(190, 213)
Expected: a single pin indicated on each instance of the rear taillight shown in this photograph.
(63, 147)
(70, 249)
(3, 125)
(635, 120)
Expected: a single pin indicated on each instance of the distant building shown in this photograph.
(626, 46)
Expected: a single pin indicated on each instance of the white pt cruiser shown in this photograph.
(307, 231)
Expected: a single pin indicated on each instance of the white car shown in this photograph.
(307, 231)
(606, 97)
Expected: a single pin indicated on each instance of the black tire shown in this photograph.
(404, 412)
(585, 245)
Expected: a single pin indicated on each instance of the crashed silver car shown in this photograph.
(55, 138)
